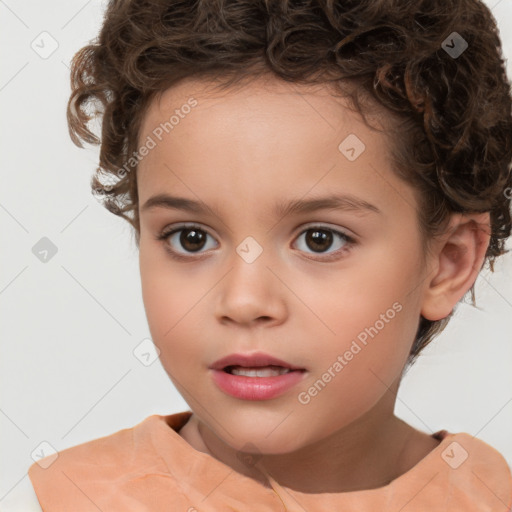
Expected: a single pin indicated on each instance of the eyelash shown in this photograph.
(167, 232)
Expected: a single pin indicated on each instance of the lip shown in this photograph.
(256, 388)
(252, 360)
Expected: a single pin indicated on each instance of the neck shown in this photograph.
(366, 454)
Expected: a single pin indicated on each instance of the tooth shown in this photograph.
(259, 372)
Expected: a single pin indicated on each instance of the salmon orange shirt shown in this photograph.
(151, 468)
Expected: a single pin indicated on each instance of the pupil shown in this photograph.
(318, 238)
(191, 236)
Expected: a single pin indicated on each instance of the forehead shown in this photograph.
(267, 136)
(257, 99)
(254, 117)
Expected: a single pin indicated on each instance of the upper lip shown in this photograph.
(252, 360)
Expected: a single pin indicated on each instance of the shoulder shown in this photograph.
(477, 470)
(66, 472)
(463, 446)
(99, 456)
(110, 472)
(461, 472)
(96, 452)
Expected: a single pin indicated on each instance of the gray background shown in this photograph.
(69, 326)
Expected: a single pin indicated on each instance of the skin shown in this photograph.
(240, 151)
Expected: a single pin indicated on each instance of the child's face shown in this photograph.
(305, 299)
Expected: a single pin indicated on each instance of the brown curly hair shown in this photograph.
(454, 141)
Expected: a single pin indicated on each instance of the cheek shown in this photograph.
(356, 368)
(166, 298)
(173, 306)
(372, 313)
(361, 304)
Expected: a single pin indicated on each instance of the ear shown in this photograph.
(457, 259)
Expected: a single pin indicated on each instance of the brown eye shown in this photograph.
(192, 239)
(184, 242)
(318, 240)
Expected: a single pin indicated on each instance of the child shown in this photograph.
(344, 168)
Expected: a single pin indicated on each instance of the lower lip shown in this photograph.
(256, 388)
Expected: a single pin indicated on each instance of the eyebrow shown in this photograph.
(346, 202)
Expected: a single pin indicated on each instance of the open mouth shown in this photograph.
(263, 382)
(262, 371)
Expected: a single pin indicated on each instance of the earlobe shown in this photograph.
(458, 259)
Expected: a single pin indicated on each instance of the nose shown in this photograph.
(251, 294)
